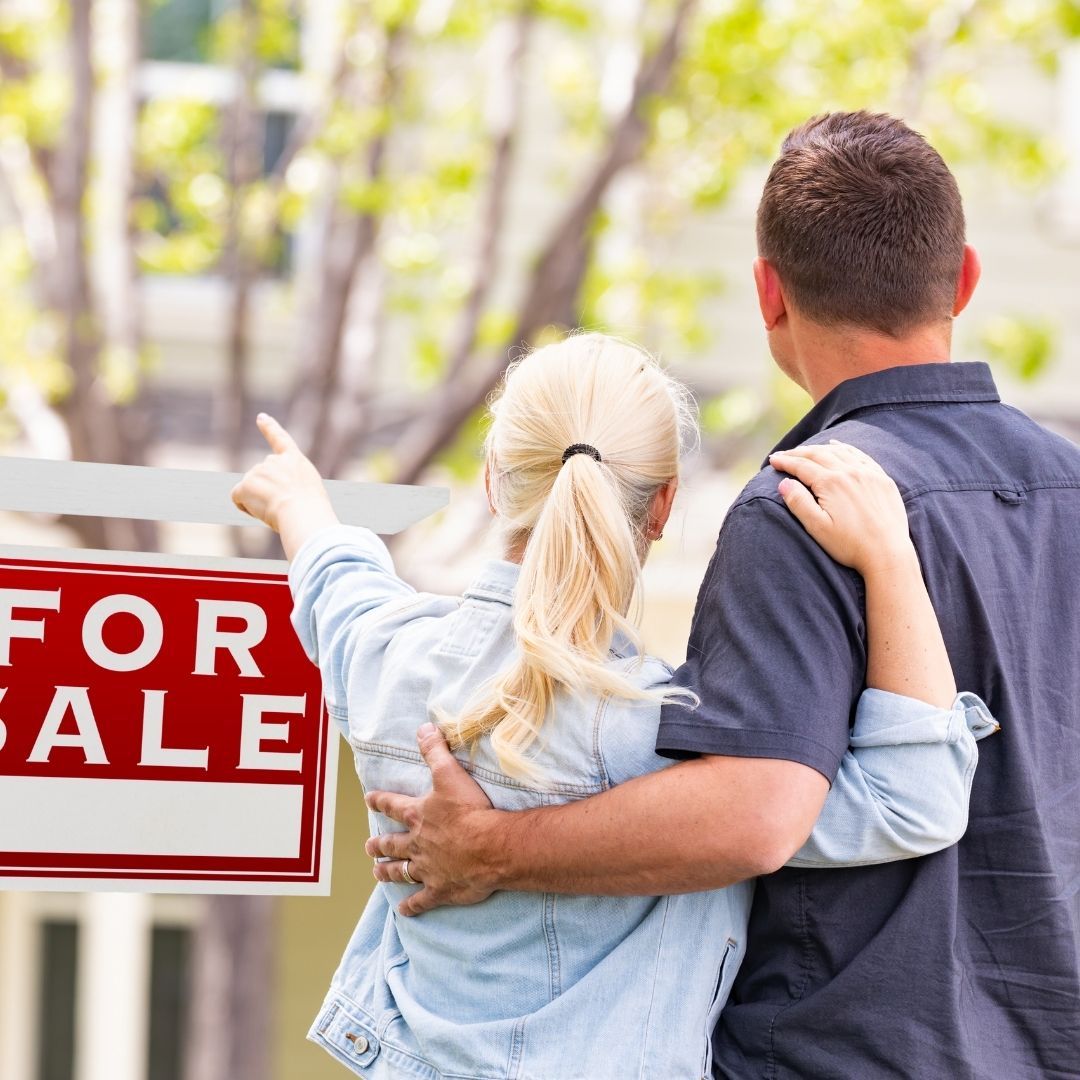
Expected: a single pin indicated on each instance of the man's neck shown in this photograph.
(826, 357)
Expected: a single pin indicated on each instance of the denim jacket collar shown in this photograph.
(906, 385)
(496, 582)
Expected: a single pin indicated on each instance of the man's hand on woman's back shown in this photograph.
(443, 844)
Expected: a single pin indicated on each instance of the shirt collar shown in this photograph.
(906, 385)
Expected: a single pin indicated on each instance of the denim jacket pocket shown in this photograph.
(719, 999)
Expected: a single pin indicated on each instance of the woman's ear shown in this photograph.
(487, 487)
(660, 508)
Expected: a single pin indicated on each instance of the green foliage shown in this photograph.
(464, 459)
(577, 16)
(28, 339)
(635, 296)
(181, 213)
(770, 409)
(749, 71)
(733, 413)
(276, 35)
(1024, 346)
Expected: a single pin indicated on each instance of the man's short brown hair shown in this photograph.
(862, 220)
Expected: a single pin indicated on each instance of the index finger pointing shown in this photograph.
(279, 439)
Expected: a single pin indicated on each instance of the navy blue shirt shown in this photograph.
(962, 964)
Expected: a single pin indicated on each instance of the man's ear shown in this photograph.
(970, 272)
(770, 295)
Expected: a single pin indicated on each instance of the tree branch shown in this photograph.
(349, 244)
(311, 123)
(506, 96)
(553, 288)
(99, 430)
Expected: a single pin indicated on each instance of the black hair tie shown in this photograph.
(581, 448)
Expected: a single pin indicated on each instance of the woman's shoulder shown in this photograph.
(626, 729)
(643, 669)
(652, 672)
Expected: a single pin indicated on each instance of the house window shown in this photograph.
(58, 957)
(170, 967)
(182, 31)
(185, 92)
(178, 30)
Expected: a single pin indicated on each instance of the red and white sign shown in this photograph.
(160, 728)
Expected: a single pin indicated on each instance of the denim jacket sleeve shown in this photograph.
(340, 578)
(903, 785)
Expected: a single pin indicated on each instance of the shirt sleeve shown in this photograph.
(339, 578)
(777, 649)
(903, 786)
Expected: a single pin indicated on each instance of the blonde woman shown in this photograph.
(536, 677)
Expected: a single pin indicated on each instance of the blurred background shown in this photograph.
(351, 213)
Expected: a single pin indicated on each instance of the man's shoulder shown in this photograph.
(760, 539)
(761, 489)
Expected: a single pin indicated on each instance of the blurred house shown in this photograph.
(94, 987)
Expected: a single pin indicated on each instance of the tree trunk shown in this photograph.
(97, 432)
(232, 977)
(927, 51)
(244, 150)
(115, 277)
(233, 958)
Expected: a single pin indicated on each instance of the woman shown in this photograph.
(536, 677)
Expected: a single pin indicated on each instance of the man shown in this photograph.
(962, 964)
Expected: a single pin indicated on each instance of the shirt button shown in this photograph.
(359, 1043)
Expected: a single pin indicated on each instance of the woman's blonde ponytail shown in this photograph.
(581, 523)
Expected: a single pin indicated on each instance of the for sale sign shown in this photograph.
(160, 726)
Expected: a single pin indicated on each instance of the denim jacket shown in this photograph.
(544, 986)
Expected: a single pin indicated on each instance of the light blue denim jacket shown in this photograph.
(544, 986)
